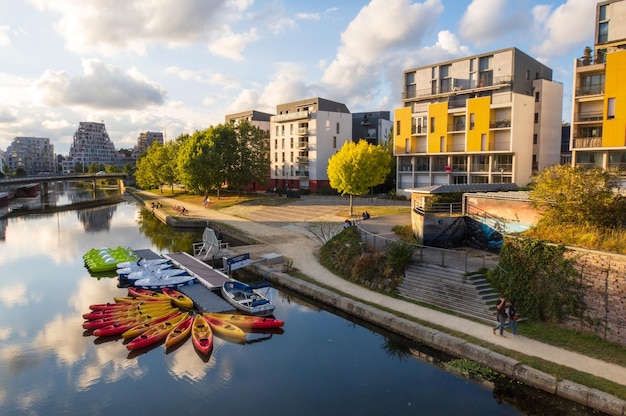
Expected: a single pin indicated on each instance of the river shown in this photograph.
(320, 363)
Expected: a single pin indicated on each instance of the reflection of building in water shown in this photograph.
(3, 228)
(96, 219)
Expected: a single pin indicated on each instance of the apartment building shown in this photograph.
(35, 155)
(598, 134)
(373, 127)
(303, 136)
(91, 144)
(145, 140)
(488, 118)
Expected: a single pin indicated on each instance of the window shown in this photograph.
(442, 144)
(397, 127)
(603, 32)
(276, 141)
(407, 146)
(537, 97)
(283, 156)
(291, 129)
(275, 156)
(291, 156)
(535, 138)
(432, 124)
(282, 145)
(283, 132)
(536, 117)
(334, 142)
(602, 16)
(471, 126)
(528, 75)
(410, 78)
(483, 142)
(337, 128)
(277, 130)
(610, 108)
(292, 141)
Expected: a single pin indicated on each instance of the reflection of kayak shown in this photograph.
(224, 328)
(156, 333)
(180, 332)
(179, 298)
(201, 334)
(247, 321)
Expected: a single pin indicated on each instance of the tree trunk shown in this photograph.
(351, 213)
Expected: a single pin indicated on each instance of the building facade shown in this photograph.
(598, 134)
(35, 155)
(145, 140)
(91, 145)
(488, 118)
(372, 126)
(303, 136)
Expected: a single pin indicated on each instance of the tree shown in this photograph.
(577, 196)
(248, 160)
(198, 162)
(356, 167)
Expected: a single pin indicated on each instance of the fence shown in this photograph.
(453, 259)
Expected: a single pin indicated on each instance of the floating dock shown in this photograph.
(205, 294)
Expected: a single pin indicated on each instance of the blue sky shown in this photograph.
(181, 65)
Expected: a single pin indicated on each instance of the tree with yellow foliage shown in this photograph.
(356, 167)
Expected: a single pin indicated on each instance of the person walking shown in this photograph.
(512, 316)
(501, 316)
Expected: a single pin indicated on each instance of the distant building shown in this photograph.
(145, 140)
(598, 136)
(33, 154)
(373, 126)
(91, 144)
(566, 153)
(488, 118)
(262, 121)
(303, 136)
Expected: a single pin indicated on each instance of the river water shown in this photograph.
(320, 363)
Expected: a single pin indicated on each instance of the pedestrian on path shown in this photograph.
(501, 316)
(512, 316)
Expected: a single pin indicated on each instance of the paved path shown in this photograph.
(292, 242)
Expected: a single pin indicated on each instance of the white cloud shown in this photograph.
(486, 21)
(368, 42)
(230, 45)
(565, 28)
(308, 16)
(100, 86)
(112, 26)
(4, 35)
(205, 77)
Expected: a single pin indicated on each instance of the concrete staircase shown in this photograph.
(450, 289)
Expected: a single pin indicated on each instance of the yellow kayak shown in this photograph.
(248, 321)
(180, 332)
(224, 328)
(180, 299)
(156, 332)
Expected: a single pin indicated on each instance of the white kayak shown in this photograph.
(125, 271)
(142, 262)
(159, 273)
(155, 282)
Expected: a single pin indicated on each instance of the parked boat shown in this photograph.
(106, 259)
(247, 298)
(143, 263)
(127, 312)
(179, 298)
(142, 327)
(136, 318)
(201, 334)
(122, 273)
(224, 328)
(139, 293)
(153, 272)
(180, 332)
(156, 333)
(248, 321)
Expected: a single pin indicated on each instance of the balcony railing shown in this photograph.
(303, 145)
(302, 173)
(589, 116)
(290, 116)
(302, 159)
(460, 127)
(302, 131)
(418, 130)
(586, 142)
(459, 86)
(590, 90)
(591, 60)
(500, 124)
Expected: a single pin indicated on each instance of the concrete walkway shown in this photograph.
(303, 251)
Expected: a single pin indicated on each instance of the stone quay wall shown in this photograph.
(603, 276)
(449, 344)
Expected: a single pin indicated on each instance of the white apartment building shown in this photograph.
(91, 144)
(33, 154)
(145, 140)
(488, 118)
(303, 136)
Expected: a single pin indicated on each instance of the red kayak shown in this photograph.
(156, 333)
(121, 327)
(146, 294)
(179, 333)
(121, 305)
(122, 312)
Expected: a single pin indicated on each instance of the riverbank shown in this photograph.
(425, 325)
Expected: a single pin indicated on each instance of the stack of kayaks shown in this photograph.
(106, 259)
(145, 317)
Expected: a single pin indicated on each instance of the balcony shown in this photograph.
(590, 90)
(500, 124)
(303, 145)
(302, 159)
(290, 116)
(589, 116)
(459, 86)
(456, 127)
(302, 131)
(587, 142)
(302, 174)
(418, 130)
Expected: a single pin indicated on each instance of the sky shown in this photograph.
(178, 66)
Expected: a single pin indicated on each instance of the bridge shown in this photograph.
(10, 185)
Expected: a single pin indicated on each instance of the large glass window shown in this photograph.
(592, 84)
(603, 32)
(421, 164)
